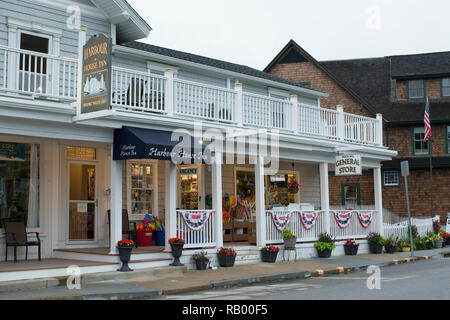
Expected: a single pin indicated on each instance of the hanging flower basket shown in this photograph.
(293, 186)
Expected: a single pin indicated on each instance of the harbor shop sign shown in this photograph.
(96, 85)
(348, 165)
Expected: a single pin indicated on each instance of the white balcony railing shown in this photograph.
(37, 74)
(360, 129)
(315, 121)
(206, 237)
(267, 112)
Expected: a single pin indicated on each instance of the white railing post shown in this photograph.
(115, 204)
(260, 202)
(378, 198)
(170, 92)
(171, 202)
(379, 130)
(216, 177)
(81, 42)
(340, 123)
(325, 195)
(239, 105)
(294, 113)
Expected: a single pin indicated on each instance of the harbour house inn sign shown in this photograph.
(92, 119)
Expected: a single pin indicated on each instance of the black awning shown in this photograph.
(139, 143)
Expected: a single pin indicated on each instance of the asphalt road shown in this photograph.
(422, 280)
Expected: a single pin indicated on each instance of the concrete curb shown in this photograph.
(445, 254)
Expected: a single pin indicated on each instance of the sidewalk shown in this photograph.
(143, 284)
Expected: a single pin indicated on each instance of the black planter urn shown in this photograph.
(325, 253)
(269, 256)
(351, 250)
(177, 250)
(124, 255)
(375, 247)
(226, 260)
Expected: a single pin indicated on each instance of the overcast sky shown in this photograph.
(252, 32)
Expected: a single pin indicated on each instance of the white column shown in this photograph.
(116, 203)
(294, 113)
(378, 198)
(216, 176)
(81, 42)
(170, 99)
(238, 111)
(171, 202)
(260, 202)
(379, 129)
(324, 194)
(340, 122)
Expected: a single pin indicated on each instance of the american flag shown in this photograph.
(426, 120)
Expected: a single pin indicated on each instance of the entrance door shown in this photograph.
(82, 201)
(190, 188)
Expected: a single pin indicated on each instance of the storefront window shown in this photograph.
(142, 191)
(278, 192)
(189, 188)
(19, 182)
(350, 195)
(245, 186)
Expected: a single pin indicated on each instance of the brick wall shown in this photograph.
(367, 192)
(309, 72)
(433, 89)
(400, 139)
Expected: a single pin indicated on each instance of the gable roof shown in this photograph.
(233, 67)
(293, 45)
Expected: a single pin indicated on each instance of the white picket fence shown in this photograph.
(206, 237)
(400, 230)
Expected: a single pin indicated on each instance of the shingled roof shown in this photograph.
(371, 80)
(212, 63)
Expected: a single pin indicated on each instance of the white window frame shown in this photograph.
(421, 152)
(391, 184)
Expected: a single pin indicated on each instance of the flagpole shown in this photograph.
(431, 163)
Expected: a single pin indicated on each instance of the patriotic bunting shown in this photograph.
(281, 219)
(343, 218)
(308, 218)
(195, 220)
(365, 218)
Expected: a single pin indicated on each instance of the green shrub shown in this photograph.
(324, 245)
(287, 234)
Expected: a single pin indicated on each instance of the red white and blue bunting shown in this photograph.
(343, 218)
(281, 219)
(308, 218)
(365, 218)
(195, 220)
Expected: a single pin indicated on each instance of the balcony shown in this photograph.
(44, 76)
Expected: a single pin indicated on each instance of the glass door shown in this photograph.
(82, 201)
(189, 179)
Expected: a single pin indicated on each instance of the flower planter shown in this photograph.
(429, 245)
(438, 243)
(290, 243)
(177, 250)
(201, 264)
(375, 248)
(124, 255)
(269, 256)
(389, 249)
(325, 253)
(406, 249)
(351, 250)
(226, 260)
(160, 238)
(144, 238)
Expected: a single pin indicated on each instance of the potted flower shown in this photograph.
(293, 186)
(125, 246)
(325, 245)
(226, 257)
(390, 245)
(376, 242)
(351, 247)
(289, 239)
(407, 247)
(176, 244)
(438, 243)
(269, 253)
(201, 260)
(446, 239)
(437, 226)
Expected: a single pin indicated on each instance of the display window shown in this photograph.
(281, 190)
(142, 188)
(189, 188)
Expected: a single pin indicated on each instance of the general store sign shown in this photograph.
(96, 85)
(348, 165)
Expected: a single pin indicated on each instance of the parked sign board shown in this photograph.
(348, 165)
(96, 74)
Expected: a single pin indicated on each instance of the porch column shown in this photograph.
(378, 198)
(216, 176)
(260, 202)
(116, 204)
(171, 202)
(324, 194)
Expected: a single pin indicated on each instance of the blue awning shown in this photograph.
(139, 143)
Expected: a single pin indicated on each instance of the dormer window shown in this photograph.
(445, 87)
(415, 89)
